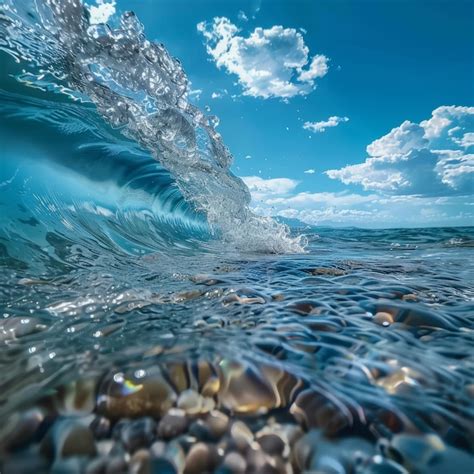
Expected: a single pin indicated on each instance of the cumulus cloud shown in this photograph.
(320, 127)
(277, 197)
(266, 188)
(310, 171)
(428, 158)
(272, 62)
(102, 11)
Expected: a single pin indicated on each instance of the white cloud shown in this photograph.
(318, 68)
(272, 197)
(262, 189)
(102, 11)
(425, 159)
(310, 171)
(272, 62)
(443, 117)
(466, 141)
(320, 127)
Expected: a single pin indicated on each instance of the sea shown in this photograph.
(150, 322)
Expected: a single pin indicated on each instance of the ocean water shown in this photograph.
(150, 322)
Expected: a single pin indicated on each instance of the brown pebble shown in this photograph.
(314, 410)
(116, 465)
(235, 463)
(140, 462)
(258, 461)
(217, 423)
(383, 318)
(241, 436)
(20, 428)
(68, 438)
(173, 424)
(190, 401)
(272, 444)
(201, 458)
(123, 397)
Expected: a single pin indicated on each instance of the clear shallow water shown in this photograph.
(131, 322)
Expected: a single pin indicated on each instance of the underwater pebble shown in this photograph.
(139, 433)
(140, 462)
(234, 463)
(167, 457)
(271, 444)
(116, 465)
(201, 458)
(217, 424)
(173, 424)
(68, 437)
(121, 397)
(21, 429)
(101, 427)
(315, 411)
(240, 436)
(190, 401)
(384, 319)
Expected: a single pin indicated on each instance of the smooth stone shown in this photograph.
(173, 424)
(190, 401)
(272, 444)
(258, 396)
(97, 466)
(316, 411)
(140, 463)
(317, 453)
(68, 437)
(167, 457)
(100, 426)
(240, 436)
(119, 427)
(217, 423)
(417, 451)
(138, 434)
(21, 428)
(71, 465)
(117, 465)
(201, 458)
(383, 319)
(258, 461)
(234, 463)
(130, 399)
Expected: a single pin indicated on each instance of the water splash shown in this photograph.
(139, 89)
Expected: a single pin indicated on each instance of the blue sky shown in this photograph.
(337, 112)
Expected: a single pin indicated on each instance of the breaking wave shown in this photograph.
(102, 141)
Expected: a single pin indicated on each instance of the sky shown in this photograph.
(337, 112)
